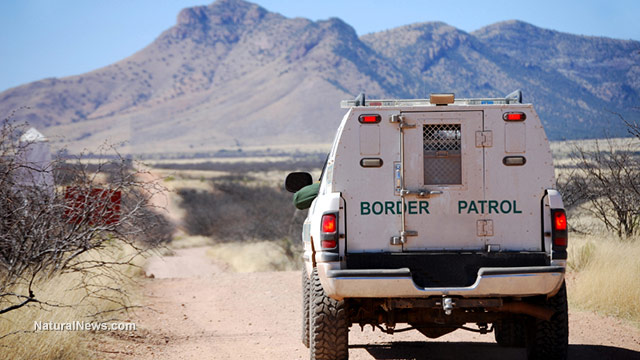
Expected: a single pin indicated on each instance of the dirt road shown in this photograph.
(198, 310)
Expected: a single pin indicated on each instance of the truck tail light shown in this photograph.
(369, 119)
(559, 233)
(560, 220)
(514, 116)
(328, 244)
(329, 232)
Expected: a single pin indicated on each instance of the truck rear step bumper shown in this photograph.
(391, 283)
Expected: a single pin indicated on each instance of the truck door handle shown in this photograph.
(421, 192)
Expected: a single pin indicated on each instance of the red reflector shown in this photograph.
(560, 241)
(514, 116)
(375, 103)
(329, 224)
(560, 220)
(369, 119)
(328, 244)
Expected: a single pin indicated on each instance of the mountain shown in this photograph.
(233, 74)
(574, 81)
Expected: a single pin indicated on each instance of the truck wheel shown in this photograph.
(510, 333)
(550, 339)
(329, 328)
(306, 285)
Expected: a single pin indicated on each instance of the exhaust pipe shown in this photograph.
(520, 307)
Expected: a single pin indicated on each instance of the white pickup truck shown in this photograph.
(436, 213)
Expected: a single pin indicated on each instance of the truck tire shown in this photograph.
(511, 332)
(329, 329)
(306, 285)
(550, 339)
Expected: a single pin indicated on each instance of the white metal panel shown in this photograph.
(555, 199)
(444, 226)
(363, 188)
(515, 137)
(511, 195)
(524, 186)
(369, 139)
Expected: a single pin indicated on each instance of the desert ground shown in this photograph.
(197, 308)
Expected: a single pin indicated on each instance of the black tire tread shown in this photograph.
(329, 328)
(511, 332)
(550, 339)
(306, 285)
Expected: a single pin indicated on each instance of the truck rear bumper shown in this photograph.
(392, 283)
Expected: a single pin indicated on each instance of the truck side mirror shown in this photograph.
(297, 180)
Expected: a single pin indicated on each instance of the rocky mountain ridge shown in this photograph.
(233, 74)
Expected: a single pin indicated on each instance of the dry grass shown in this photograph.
(562, 150)
(67, 290)
(189, 241)
(607, 275)
(253, 257)
(605, 269)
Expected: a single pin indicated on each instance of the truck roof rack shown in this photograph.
(513, 98)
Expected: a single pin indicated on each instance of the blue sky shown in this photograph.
(56, 38)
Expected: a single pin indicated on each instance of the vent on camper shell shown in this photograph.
(442, 150)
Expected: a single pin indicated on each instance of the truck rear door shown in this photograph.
(443, 169)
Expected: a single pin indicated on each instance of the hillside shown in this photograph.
(233, 74)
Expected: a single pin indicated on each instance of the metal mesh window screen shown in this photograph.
(442, 160)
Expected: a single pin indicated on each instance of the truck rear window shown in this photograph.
(442, 149)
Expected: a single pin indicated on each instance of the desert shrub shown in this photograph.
(240, 211)
(610, 181)
(603, 179)
(47, 228)
(78, 297)
(157, 230)
(234, 211)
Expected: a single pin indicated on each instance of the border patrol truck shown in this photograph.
(436, 215)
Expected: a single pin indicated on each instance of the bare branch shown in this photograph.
(48, 229)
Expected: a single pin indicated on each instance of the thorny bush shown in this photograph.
(238, 211)
(605, 181)
(47, 227)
